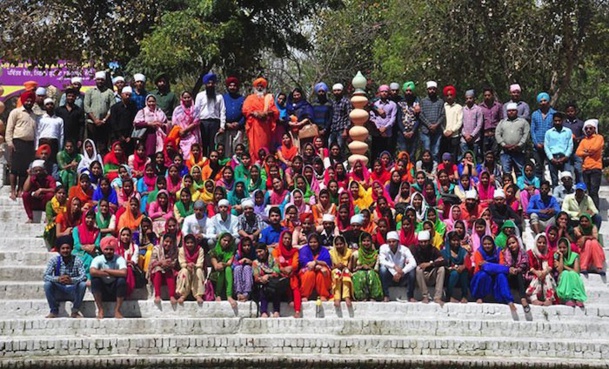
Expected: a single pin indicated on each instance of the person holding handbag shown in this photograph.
(150, 126)
(267, 277)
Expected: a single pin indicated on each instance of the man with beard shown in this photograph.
(75, 85)
(521, 106)
(50, 129)
(492, 114)
(98, 102)
(119, 83)
(542, 209)
(38, 189)
(212, 113)
(430, 268)
(511, 135)
(470, 209)
(433, 120)
(73, 117)
(108, 278)
(260, 117)
(322, 109)
(38, 107)
(500, 211)
(541, 121)
(121, 119)
(381, 136)
(454, 121)
(139, 93)
(558, 146)
(408, 120)
(394, 92)
(165, 99)
(339, 125)
(235, 121)
(20, 138)
(473, 121)
(591, 151)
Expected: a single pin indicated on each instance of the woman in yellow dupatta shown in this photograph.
(362, 199)
(207, 192)
(342, 286)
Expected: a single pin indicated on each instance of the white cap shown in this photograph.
(591, 122)
(38, 164)
(41, 91)
(393, 235)
(118, 79)
(471, 194)
(357, 219)
(424, 236)
(338, 86)
(223, 202)
(328, 218)
(499, 194)
(49, 100)
(76, 80)
(127, 90)
(100, 75)
(515, 87)
(394, 86)
(511, 106)
(566, 174)
(247, 203)
(139, 77)
(431, 84)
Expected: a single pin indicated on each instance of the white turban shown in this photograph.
(38, 164)
(499, 194)
(49, 100)
(41, 91)
(431, 84)
(75, 80)
(394, 86)
(100, 75)
(328, 218)
(139, 77)
(127, 90)
(591, 122)
(247, 203)
(118, 79)
(515, 87)
(471, 194)
(338, 86)
(223, 202)
(511, 106)
(393, 235)
(357, 219)
(424, 236)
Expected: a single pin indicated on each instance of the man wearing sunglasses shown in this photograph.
(591, 151)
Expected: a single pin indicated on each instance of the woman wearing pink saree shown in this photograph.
(185, 117)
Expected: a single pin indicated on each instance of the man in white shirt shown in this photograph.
(212, 113)
(196, 224)
(50, 129)
(222, 222)
(397, 266)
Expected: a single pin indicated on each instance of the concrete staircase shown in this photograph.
(368, 335)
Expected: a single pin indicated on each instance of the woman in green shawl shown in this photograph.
(67, 160)
(238, 193)
(458, 275)
(438, 225)
(104, 219)
(255, 182)
(183, 208)
(570, 285)
(507, 229)
(300, 182)
(197, 179)
(366, 279)
(222, 256)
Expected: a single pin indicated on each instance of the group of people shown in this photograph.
(228, 201)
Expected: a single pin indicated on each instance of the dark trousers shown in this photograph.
(451, 145)
(110, 291)
(592, 179)
(489, 143)
(209, 129)
(380, 144)
(517, 281)
(408, 280)
(540, 162)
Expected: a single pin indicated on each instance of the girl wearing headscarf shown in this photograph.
(315, 263)
(127, 249)
(145, 185)
(591, 251)
(222, 258)
(490, 274)
(104, 219)
(303, 230)
(453, 215)
(507, 229)
(541, 263)
(162, 268)
(86, 240)
(342, 285)
(341, 175)
(362, 198)
(113, 160)
(404, 167)
(395, 189)
(300, 111)
(89, 155)
(153, 119)
(427, 165)
(195, 157)
(68, 220)
(160, 210)
(83, 190)
(288, 150)
(57, 205)
(366, 279)
(287, 258)
(322, 207)
(191, 278)
(465, 184)
(334, 157)
(570, 284)
(67, 161)
(242, 269)
(187, 118)
(480, 229)
(380, 173)
(255, 182)
(236, 196)
(360, 174)
(105, 192)
(408, 236)
(183, 208)
(278, 195)
(132, 217)
(379, 237)
(438, 225)
(516, 258)
(308, 173)
(138, 160)
(298, 200)
(418, 203)
(468, 165)
(227, 180)
(308, 153)
(458, 274)
(486, 188)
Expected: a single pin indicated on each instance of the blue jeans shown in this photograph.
(57, 292)
(431, 142)
(554, 169)
(577, 164)
(338, 138)
(509, 159)
(408, 145)
(408, 279)
(592, 179)
(475, 147)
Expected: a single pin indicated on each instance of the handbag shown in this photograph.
(139, 133)
(209, 293)
(308, 131)
(275, 286)
(139, 276)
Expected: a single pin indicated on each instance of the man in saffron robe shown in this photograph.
(261, 115)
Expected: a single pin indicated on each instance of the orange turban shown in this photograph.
(259, 81)
(42, 148)
(110, 242)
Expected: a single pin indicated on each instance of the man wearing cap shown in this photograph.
(381, 136)
(470, 208)
(492, 114)
(524, 111)
(118, 83)
(322, 109)
(397, 266)
(339, 125)
(235, 120)
(565, 188)
(590, 150)
(20, 137)
(500, 211)
(261, 116)
(328, 230)
(98, 101)
(122, 115)
(38, 189)
(433, 120)
(75, 85)
(454, 122)
(407, 120)
(430, 268)
(558, 147)
(579, 203)
(542, 208)
(50, 129)
(212, 113)
(353, 234)
(139, 91)
(73, 117)
(250, 224)
(65, 279)
(41, 95)
(166, 100)
(222, 222)
(542, 120)
(108, 278)
(511, 135)
(473, 121)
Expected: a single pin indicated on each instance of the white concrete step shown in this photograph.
(23, 257)
(22, 273)
(33, 290)
(25, 244)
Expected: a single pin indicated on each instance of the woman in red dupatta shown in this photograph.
(286, 256)
(408, 237)
(380, 173)
(113, 160)
(83, 191)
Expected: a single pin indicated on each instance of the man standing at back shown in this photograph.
(558, 147)
(235, 120)
(212, 113)
(73, 117)
(339, 126)
(166, 100)
(541, 122)
(522, 107)
(511, 135)
(98, 101)
(454, 121)
(322, 109)
(591, 151)
(433, 120)
(261, 115)
(492, 114)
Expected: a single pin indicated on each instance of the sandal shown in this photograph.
(527, 309)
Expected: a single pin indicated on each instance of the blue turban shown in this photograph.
(209, 77)
(321, 86)
(543, 95)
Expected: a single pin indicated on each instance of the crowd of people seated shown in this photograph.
(219, 196)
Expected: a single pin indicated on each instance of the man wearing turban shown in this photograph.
(542, 121)
(261, 114)
(20, 138)
(166, 100)
(322, 108)
(454, 121)
(212, 113)
(235, 121)
(408, 120)
(98, 101)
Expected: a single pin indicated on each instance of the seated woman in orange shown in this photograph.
(66, 221)
(315, 263)
(213, 168)
(591, 250)
(287, 258)
(196, 157)
(132, 217)
(83, 191)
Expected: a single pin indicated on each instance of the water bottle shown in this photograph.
(318, 307)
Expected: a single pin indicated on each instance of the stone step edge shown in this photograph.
(272, 361)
